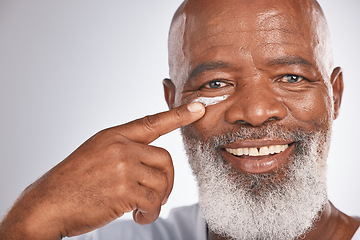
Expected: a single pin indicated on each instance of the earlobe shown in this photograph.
(338, 87)
(169, 92)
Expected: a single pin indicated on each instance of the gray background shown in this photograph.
(70, 68)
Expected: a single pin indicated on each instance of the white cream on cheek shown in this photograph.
(208, 101)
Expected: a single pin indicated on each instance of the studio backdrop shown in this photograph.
(71, 68)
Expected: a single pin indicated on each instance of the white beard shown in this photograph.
(258, 206)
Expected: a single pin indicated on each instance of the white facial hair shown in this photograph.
(257, 206)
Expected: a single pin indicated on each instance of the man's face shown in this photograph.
(265, 145)
(271, 63)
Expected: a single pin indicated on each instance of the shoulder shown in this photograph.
(187, 214)
(347, 228)
(188, 219)
(356, 236)
(183, 223)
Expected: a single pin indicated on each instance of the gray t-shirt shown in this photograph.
(184, 223)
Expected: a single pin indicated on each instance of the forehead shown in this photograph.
(238, 30)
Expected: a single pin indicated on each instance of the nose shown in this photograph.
(255, 106)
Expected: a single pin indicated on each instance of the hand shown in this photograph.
(113, 172)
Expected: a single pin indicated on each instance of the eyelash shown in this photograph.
(220, 81)
(292, 76)
(284, 78)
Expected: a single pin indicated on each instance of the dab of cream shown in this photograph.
(208, 101)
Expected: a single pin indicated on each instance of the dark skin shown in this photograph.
(112, 173)
(116, 171)
(273, 60)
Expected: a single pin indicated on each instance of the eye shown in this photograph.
(293, 78)
(215, 84)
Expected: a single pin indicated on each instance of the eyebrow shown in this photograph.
(213, 65)
(207, 66)
(289, 60)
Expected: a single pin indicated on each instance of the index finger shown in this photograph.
(147, 129)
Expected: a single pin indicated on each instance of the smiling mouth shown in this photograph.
(261, 151)
(254, 157)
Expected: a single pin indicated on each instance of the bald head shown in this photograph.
(199, 27)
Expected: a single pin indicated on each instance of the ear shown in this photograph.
(169, 92)
(338, 87)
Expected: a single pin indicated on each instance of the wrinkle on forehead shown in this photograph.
(273, 20)
(203, 20)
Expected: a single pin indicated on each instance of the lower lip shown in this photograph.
(259, 164)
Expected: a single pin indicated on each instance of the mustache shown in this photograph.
(244, 132)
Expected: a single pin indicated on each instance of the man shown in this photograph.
(263, 69)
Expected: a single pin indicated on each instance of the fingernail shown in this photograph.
(195, 107)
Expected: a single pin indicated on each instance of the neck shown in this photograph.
(332, 224)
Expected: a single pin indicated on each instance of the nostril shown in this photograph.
(273, 118)
(242, 122)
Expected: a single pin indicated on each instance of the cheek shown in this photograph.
(313, 107)
(212, 123)
(310, 109)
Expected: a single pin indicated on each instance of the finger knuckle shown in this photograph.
(114, 149)
(116, 213)
(122, 206)
(149, 123)
(177, 114)
(164, 154)
(122, 169)
(119, 150)
(105, 134)
(163, 187)
(163, 180)
(152, 197)
(123, 189)
(167, 160)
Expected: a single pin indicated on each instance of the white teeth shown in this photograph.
(277, 149)
(262, 151)
(272, 149)
(285, 147)
(239, 151)
(253, 152)
(246, 151)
